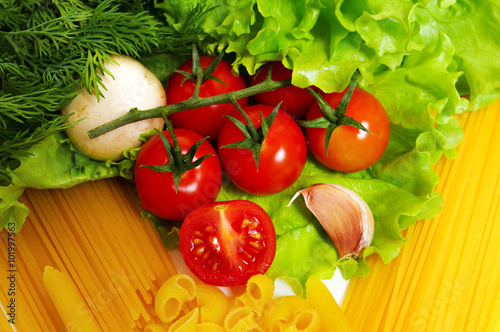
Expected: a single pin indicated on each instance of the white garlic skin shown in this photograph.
(344, 215)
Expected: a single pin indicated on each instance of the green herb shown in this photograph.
(53, 49)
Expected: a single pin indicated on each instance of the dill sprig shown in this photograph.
(50, 50)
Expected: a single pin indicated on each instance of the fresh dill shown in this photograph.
(50, 50)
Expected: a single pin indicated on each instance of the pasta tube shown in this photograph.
(155, 327)
(209, 327)
(258, 293)
(68, 301)
(186, 323)
(242, 319)
(212, 302)
(172, 295)
(292, 312)
(323, 301)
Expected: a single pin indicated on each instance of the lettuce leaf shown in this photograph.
(473, 29)
(54, 163)
(325, 42)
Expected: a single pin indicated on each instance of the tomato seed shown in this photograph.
(253, 225)
(255, 235)
(200, 251)
(245, 223)
(255, 244)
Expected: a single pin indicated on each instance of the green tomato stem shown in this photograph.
(195, 101)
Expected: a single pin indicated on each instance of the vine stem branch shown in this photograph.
(195, 101)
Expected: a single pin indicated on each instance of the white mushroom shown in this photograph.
(132, 85)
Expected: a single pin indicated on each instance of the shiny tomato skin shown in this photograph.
(207, 120)
(197, 186)
(351, 149)
(282, 157)
(296, 101)
(225, 243)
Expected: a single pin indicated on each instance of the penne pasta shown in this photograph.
(332, 316)
(68, 301)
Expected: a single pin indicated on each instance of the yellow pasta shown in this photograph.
(332, 316)
(175, 292)
(445, 278)
(258, 293)
(94, 230)
(155, 327)
(209, 327)
(186, 323)
(212, 302)
(307, 321)
(68, 301)
(242, 319)
(284, 311)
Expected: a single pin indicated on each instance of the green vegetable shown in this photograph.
(54, 163)
(416, 57)
(52, 49)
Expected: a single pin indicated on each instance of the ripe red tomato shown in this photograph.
(296, 101)
(197, 187)
(207, 120)
(351, 149)
(282, 156)
(225, 243)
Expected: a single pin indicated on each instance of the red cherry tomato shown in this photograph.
(282, 156)
(296, 101)
(225, 243)
(207, 120)
(197, 187)
(351, 149)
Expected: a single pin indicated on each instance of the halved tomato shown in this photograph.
(225, 243)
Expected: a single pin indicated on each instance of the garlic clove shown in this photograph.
(344, 215)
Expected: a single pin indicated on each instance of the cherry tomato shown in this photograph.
(197, 186)
(282, 156)
(225, 243)
(296, 101)
(207, 120)
(351, 149)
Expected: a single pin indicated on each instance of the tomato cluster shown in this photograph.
(262, 150)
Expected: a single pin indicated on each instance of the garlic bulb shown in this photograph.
(343, 214)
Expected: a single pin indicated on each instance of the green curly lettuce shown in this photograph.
(472, 26)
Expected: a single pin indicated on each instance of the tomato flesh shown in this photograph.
(225, 243)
